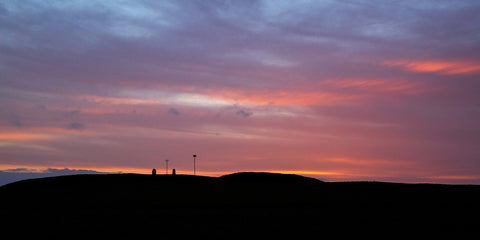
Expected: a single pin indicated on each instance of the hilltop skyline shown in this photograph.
(336, 90)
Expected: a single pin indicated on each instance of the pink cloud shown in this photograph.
(440, 67)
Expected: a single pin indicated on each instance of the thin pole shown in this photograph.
(194, 165)
(166, 170)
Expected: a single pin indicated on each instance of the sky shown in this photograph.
(336, 90)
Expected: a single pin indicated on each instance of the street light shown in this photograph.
(194, 167)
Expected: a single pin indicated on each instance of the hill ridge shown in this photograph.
(256, 203)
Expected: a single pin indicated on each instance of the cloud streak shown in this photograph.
(441, 67)
(17, 174)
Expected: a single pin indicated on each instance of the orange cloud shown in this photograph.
(119, 100)
(43, 169)
(457, 177)
(308, 172)
(39, 133)
(376, 85)
(367, 162)
(441, 67)
(24, 136)
(283, 97)
(325, 93)
(229, 97)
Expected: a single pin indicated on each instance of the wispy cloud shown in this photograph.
(19, 136)
(75, 126)
(440, 67)
(243, 113)
(173, 111)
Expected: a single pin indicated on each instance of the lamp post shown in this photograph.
(194, 163)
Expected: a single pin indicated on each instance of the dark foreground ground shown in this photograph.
(234, 206)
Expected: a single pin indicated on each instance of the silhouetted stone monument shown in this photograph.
(173, 172)
(154, 172)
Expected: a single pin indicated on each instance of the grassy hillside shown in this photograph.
(240, 204)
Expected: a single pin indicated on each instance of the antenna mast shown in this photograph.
(166, 166)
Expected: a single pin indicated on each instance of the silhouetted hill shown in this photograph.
(235, 205)
(267, 177)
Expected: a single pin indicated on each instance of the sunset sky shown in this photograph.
(336, 90)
